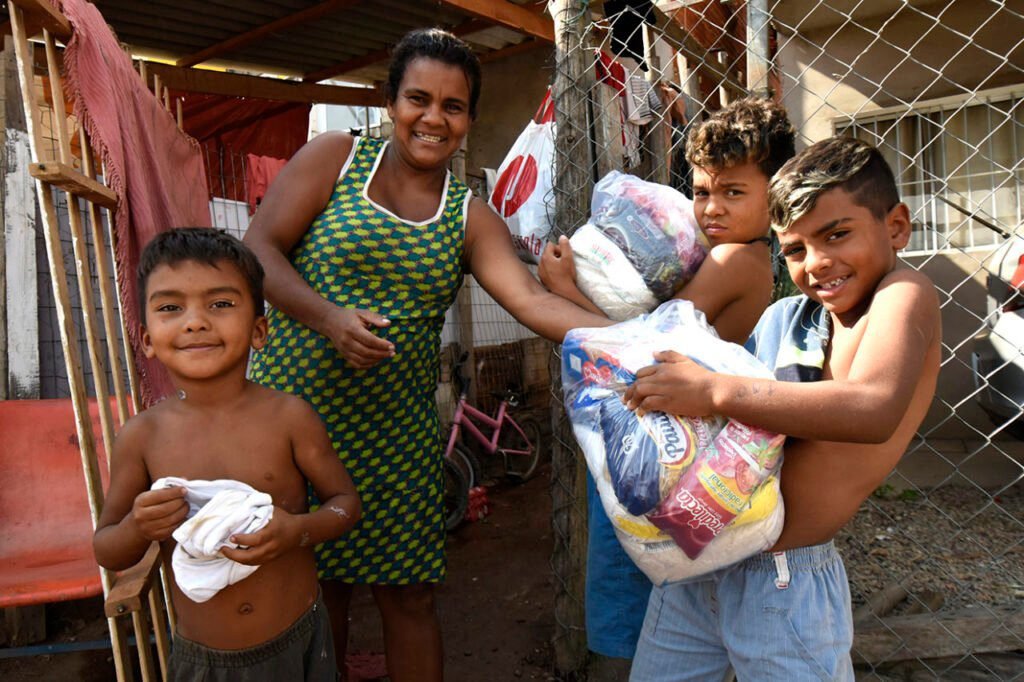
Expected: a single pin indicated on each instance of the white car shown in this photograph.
(998, 352)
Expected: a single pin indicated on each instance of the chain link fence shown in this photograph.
(934, 555)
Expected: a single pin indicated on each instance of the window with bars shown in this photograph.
(958, 164)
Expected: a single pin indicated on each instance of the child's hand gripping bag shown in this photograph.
(686, 496)
(641, 245)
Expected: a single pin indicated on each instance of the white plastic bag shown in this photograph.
(640, 246)
(686, 496)
(522, 194)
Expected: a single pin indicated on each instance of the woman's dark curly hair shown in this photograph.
(433, 43)
(750, 129)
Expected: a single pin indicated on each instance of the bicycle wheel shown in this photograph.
(456, 495)
(526, 439)
(470, 465)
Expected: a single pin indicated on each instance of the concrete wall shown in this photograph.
(512, 90)
(840, 68)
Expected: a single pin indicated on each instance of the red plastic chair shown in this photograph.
(46, 543)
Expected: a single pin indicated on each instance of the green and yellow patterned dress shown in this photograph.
(383, 420)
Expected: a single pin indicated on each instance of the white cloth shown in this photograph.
(606, 277)
(217, 510)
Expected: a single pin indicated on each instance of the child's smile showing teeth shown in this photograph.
(827, 287)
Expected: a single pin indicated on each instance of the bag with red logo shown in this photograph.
(522, 193)
(685, 495)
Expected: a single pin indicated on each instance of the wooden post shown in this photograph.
(82, 269)
(573, 184)
(464, 300)
(21, 216)
(68, 335)
(758, 61)
(656, 138)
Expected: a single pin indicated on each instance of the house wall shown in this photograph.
(846, 68)
(512, 90)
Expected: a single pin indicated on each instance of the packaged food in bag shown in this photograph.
(685, 495)
(639, 247)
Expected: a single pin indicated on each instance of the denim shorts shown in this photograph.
(616, 591)
(303, 653)
(776, 616)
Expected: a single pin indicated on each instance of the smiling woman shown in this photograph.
(365, 243)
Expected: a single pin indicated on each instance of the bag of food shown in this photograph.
(685, 495)
(640, 246)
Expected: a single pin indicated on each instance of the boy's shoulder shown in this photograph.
(282, 405)
(743, 253)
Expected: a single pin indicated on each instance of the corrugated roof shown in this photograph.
(312, 38)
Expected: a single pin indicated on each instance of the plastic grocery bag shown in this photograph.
(686, 496)
(640, 246)
(523, 193)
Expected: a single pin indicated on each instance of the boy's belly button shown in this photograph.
(245, 609)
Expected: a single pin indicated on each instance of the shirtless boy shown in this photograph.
(857, 357)
(201, 293)
(733, 155)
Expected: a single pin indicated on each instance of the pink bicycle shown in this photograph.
(517, 442)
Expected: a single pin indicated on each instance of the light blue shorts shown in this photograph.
(616, 590)
(783, 616)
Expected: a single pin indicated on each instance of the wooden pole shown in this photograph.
(573, 184)
(464, 301)
(83, 271)
(758, 62)
(65, 323)
(108, 299)
(659, 129)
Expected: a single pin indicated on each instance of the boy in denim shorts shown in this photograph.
(856, 357)
(201, 293)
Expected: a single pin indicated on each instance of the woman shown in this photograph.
(365, 244)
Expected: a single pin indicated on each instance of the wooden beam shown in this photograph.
(68, 179)
(508, 15)
(695, 52)
(39, 15)
(239, 85)
(284, 23)
(526, 46)
(938, 635)
(377, 56)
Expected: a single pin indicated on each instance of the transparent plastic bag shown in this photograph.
(640, 246)
(686, 496)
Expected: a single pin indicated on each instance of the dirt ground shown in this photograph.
(495, 607)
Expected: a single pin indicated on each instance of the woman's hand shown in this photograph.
(349, 330)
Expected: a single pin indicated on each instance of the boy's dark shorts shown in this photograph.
(305, 651)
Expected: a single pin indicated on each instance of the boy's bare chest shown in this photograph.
(245, 453)
(842, 348)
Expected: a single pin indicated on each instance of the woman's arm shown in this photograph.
(491, 258)
(295, 198)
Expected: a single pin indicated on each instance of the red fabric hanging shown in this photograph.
(230, 128)
(155, 170)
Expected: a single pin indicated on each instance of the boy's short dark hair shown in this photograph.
(751, 129)
(205, 245)
(847, 163)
